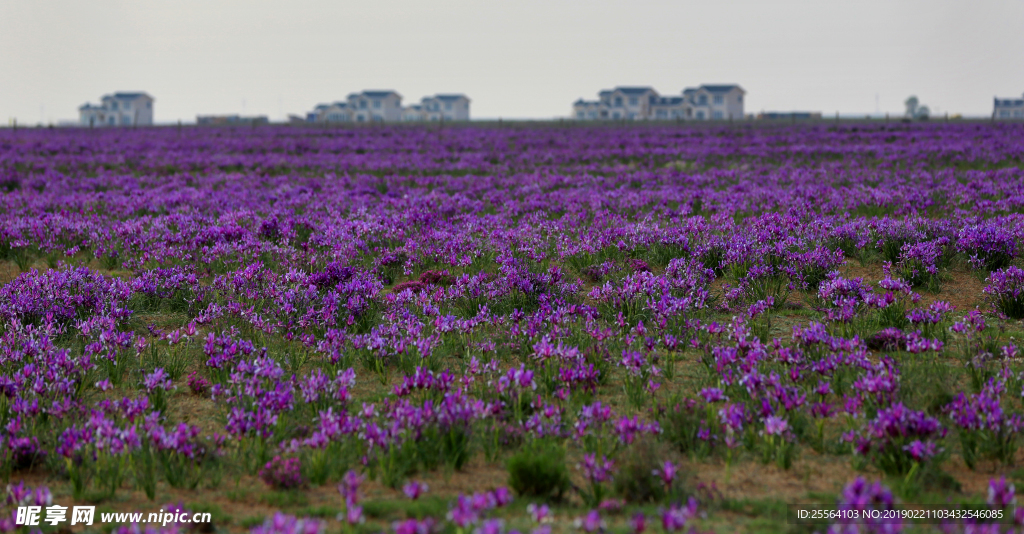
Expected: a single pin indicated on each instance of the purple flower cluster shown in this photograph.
(282, 473)
(472, 509)
(898, 438)
(865, 505)
(987, 245)
(1006, 288)
(62, 295)
(986, 429)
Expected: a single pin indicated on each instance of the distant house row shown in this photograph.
(707, 102)
(386, 106)
(1008, 108)
(118, 109)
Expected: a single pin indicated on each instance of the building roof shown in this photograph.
(380, 93)
(668, 100)
(131, 95)
(451, 97)
(720, 88)
(1003, 102)
(634, 90)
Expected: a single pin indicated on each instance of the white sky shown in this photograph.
(513, 58)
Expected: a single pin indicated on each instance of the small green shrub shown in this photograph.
(685, 426)
(636, 481)
(539, 470)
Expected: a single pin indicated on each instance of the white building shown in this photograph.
(715, 102)
(630, 103)
(413, 113)
(441, 107)
(669, 108)
(365, 106)
(1008, 108)
(336, 112)
(386, 106)
(118, 109)
(375, 106)
(707, 102)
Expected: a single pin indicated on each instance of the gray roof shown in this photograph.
(669, 100)
(451, 97)
(720, 88)
(380, 93)
(634, 90)
(132, 95)
(320, 107)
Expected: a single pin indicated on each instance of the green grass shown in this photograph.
(426, 506)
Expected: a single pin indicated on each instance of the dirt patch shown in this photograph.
(960, 287)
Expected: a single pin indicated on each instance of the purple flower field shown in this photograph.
(526, 329)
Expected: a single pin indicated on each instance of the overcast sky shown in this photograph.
(513, 58)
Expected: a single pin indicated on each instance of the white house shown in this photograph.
(386, 106)
(715, 102)
(443, 107)
(589, 110)
(375, 106)
(707, 102)
(413, 113)
(335, 112)
(670, 108)
(630, 103)
(1008, 108)
(118, 109)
